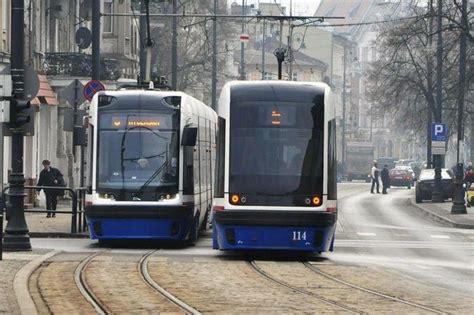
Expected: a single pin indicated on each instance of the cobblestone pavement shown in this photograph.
(9, 266)
(403, 286)
(115, 280)
(230, 287)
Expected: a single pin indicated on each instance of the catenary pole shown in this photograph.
(16, 236)
(95, 40)
(242, 46)
(459, 206)
(437, 195)
(142, 55)
(214, 58)
(174, 48)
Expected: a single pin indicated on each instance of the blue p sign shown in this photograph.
(438, 132)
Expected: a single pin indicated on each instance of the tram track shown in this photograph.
(253, 265)
(370, 291)
(143, 270)
(81, 283)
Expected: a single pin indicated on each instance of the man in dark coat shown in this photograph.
(50, 176)
(385, 179)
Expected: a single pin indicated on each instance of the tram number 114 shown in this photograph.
(299, 235)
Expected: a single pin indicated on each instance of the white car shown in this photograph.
(406, 168)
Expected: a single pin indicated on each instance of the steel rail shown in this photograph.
(267, 276)
(374, 292)
(143, 270)
(85, 289)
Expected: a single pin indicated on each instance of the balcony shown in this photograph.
(79, 65)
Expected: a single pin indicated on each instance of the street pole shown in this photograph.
(263, 50)
(174, 48)
(437, 195)
(95, 40)
(459, 206)
(430, 77)
(343, 137)
(242, 53)
(214, 58)
(142, 33)
(16, 236)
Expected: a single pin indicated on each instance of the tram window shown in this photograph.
(277, 149)
(332, 162)
(219, 188)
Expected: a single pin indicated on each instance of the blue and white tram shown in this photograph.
(151, 159)
(276, 167)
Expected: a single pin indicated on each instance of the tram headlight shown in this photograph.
(106, 196)
(168, 197)
(316, 200)
(234, 199)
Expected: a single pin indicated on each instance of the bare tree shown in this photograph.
(401, 81)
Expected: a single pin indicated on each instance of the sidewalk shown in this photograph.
(60, 226)
(441, 212)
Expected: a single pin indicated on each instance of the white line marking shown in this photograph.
(366, 234)
(440, 236)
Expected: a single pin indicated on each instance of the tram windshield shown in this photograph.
(138, 151)
(276, 151)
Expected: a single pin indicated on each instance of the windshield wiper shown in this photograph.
(149, 180)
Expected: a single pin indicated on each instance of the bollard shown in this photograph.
(459, 205)
(74, 213)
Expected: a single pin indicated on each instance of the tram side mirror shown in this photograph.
(189, 136)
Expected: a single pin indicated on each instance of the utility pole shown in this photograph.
(142, 33)
(263, 49)
(242, 46)
(95, 6)
(214, 58)
(174, 48)
(429, 119)
(437, 195)
(290, 52)
(459, 206)
(16, 236)
(344, 61)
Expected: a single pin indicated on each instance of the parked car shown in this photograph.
(408, 169)
(425, 185)
(401, 178)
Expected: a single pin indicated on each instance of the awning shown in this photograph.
(46, 94)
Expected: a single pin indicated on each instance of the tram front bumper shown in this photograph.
(139, 222)
(274, 230)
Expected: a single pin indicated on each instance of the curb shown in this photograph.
(20, 283)
(439, 218)
(57, 235)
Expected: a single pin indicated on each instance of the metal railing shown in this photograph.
(78, 221)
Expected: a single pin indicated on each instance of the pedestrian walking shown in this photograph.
(50, 176)
(385, 179)
(374, 173)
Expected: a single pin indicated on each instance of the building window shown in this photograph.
(108, 20)
(267, 76)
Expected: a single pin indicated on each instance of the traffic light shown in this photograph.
(19, 112)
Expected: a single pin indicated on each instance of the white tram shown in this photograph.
(151, 160)
(276, 167)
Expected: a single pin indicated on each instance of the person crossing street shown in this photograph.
(374, 173)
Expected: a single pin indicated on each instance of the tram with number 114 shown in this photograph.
(151, 164)
(276, 167)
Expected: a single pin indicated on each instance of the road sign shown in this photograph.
(32, 83)
(439, 132)
(438, 150)
(244, 38)
(91, 88)
(69, 92)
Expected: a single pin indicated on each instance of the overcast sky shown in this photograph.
(300, 7)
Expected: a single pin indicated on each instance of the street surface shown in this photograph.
(388, 258)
